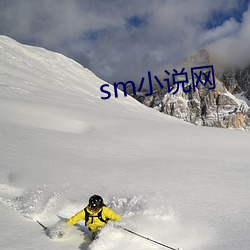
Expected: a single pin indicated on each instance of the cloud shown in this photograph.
(233, 49)
(123, 40)
(226, 29)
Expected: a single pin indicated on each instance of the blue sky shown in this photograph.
(218, 17)
(122, 40)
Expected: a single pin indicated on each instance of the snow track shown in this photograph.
(32, 204)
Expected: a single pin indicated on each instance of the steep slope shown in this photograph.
(183, 185)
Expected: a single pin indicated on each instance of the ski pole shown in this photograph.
(146, 238)
(45, 228)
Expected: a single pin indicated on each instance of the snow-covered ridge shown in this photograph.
(33, 74)
(35, 67)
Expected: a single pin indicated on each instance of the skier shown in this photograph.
(95, 214)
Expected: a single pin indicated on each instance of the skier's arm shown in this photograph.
(110, 214)
(77, 217)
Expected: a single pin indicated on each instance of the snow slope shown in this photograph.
(176, 183)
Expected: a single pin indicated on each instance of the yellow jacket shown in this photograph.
(94, 223)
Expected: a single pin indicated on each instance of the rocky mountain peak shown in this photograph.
(214, 108)
(200, 58)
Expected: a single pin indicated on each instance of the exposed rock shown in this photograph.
(237, 81)
(200, 58)
(213, 108)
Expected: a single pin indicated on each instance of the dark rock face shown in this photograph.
(237, 81)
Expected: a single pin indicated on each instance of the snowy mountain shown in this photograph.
(182, 185)
(212, 108)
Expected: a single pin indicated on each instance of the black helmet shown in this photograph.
(96, 202)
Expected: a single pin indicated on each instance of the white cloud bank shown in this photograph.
(122, 40)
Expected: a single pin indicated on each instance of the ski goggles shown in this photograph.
(94, 208)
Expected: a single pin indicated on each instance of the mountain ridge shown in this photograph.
(212, 108)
